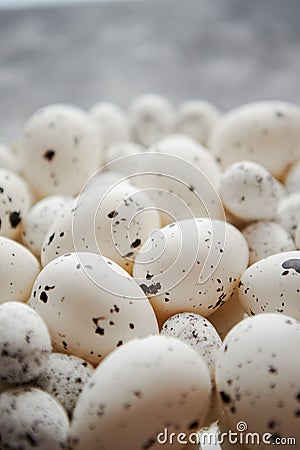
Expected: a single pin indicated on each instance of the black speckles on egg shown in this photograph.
(44, 297)
(225, 397)
(14, 218)
(51, 238)
(293, 263)
(152, 289)
(112, 214)
(136, 243)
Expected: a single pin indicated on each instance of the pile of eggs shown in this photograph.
(150, 275)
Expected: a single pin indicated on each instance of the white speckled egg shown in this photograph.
(191, 266)
(7, 159)
(121, 149)
(272, 285)
(257, 376)
(292, 179)
(64, 379)
(288, 212)
(24, 343)
(91, 305)
(197, 332)
(248, 191)
(151, 118)
(59, 150)
(267, 238)
(114, 222)
(19, 268)
(138, 391)
(40, 217)
(197, 118)
(112, 123)
(267, 132)
(227, 316)
(15, 200)
(31, 418)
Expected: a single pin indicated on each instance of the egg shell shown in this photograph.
(151, 118)
(248, 191)
(15, 200)
(297, 237)
(112, 123)
(19, 268)
(271, 285)
(266, 238)
(180, 187)
(91, 305)
(197, 332)
(292, 179)
(121, 149)
(140, 389)
(24, 343)
(30, 418)
(40, 217)
(197, 118)
(111, 221)
(191, 266)
(267, 132)
(288, 212)
(64, 379)
(7, 159)
(59, 149)
(257, 376)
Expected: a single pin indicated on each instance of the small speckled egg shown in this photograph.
(191, 266)
(267, 132)
(151, 118)
(271, 285)
(91, 305)
(138, 391)
(197, 332)
(114, 222)
(64, 379)
(248, 191)
(227, 316)
(257, 376)
(112, 123)
(15, 200)
(24, 343)
(19, 268)
(40, 217)
(7, 159)
(265, 239)
(197, 118)
(292, 179)
(121, 149)
(31, 418)
(59, 149)
(288, 212)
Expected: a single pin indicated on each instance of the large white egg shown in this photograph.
(257, 376)
(267, 132)
(271, 285)
(191, 266)
(59, 150)
(140, 390)
(91, 305)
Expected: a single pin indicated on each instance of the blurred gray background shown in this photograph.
(225, 51)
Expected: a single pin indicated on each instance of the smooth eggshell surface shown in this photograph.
(59, 150)
(40, 217)
(257, 376)
(31, 418)
(197, 332)
(7, 159)
(91, 305)
(191, 266)
(267, 132)
(15, 200)
(19, 268)
(64, 379)
(288, 212)
(24, 343)
(248, 191)
(267, 238)
(271, 285)
(140, 389)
